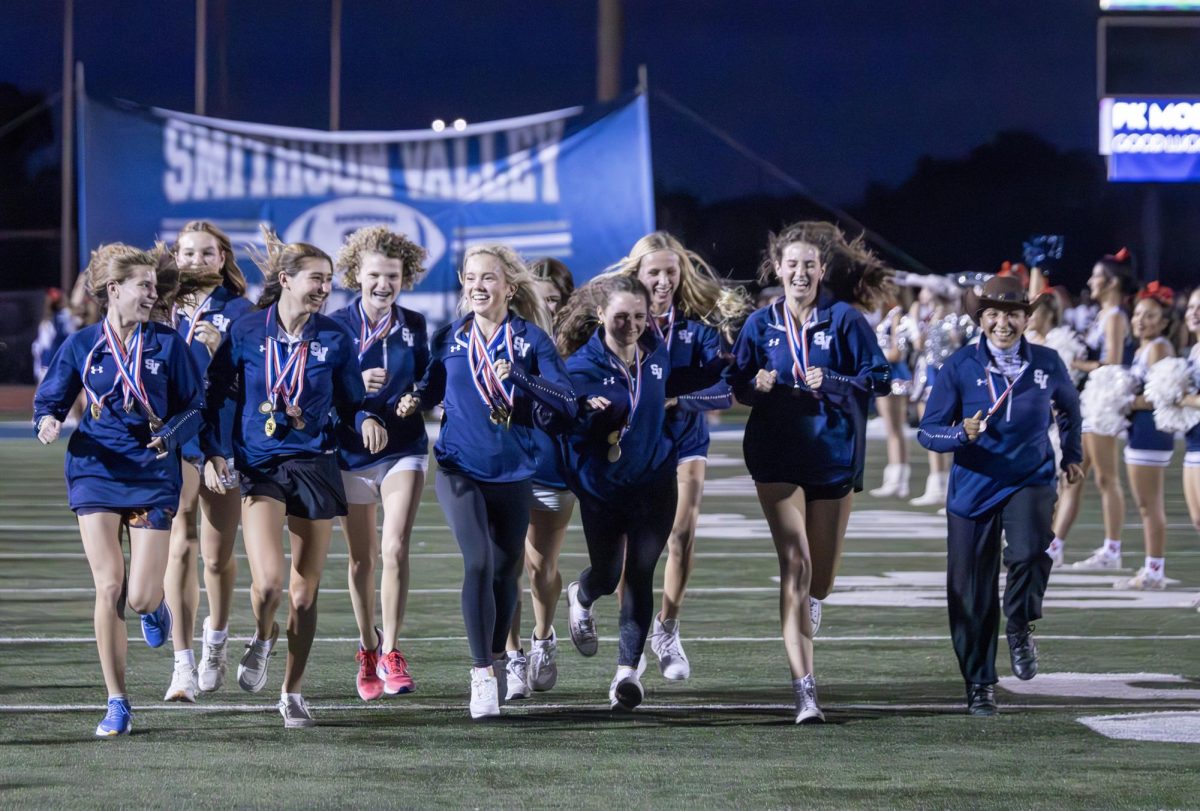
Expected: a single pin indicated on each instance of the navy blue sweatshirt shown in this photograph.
(1015, 452)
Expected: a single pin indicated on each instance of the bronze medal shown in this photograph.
(293, 410)
(95, 411)
(614, 454)
(156, 424)
(494, 417)
(614, 438)
(269, 428)
(297, 422)
(265, 407)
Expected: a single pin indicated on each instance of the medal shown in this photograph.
(668, 332)
(634, 391)
(983, 426)
(284, 378)
(265, 407)
(798, 344)
(269, 428)
(482, 357)
(293, 410)
(297, 422)
(155, 424)
(368, 335)
(95, 411)
(614, 437)
(614, 454)
(998, 400)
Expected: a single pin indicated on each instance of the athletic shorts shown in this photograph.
(158, 518)
(552, 500)
(1191, 459)
(309, 486)
(362, 486)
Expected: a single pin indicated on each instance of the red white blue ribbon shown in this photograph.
(633, 383)
(197, 314)
(798, 342)
(129, 364)
(284, 378)
(482, 356)
(998, 400)
(368, 335)
(668, 332)
(96, 400)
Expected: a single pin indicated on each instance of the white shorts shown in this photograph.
(551, 500)
(1191, 459)
(695, 458)
(1136, 456)
(362, 486)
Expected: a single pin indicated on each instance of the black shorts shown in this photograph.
(310, 486)
(156, 518)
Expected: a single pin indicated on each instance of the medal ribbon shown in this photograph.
(482, 357)
(798, 342)
(287, 378)
(633, 384)
(668, 332)
(129, 365)
(93, 398)
(197, 314)
(368, 335)
(998, 401)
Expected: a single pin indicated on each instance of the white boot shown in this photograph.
(935, 491)
(895, 482)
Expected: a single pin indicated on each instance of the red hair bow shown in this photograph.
(1122, 255)
(1159, 292)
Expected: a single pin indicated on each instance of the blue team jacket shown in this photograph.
(107, 461)
(696, 364)
(1015, 452)
(238, 374)
(829, 426)
(222, 309)
(469, 443)
(404, 353)
(645, 447)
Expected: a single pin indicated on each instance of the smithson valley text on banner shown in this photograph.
(573, 184)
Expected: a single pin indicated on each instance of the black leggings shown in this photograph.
(489, 521)
(628, 533)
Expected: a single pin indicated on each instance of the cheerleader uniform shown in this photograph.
(621, 464)
(279, 428)
(1097, 343)
(899, 372)
(696, 363)
(942, 337)
(1146, 445)
(487, 455)
(221, 309)
(148, 388)
(814, 439)
(1191, 456)
(400, 346)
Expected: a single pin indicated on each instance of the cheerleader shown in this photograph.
(688, 307)
(1191, 459)
(808, 365)
(894, 334)
(1111, 281)
(210, 298)
(285, 368)
(497, 376)
(938, 337)
(621, 464)
(144, 397)
(1148, 450)
(393, 353)
(549, 516)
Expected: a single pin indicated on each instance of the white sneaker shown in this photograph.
(1142, 581)
(485, 696)
(252, 670)
(668, 647)
(213, 663)
(581, 623)
(543, 667)
(517, 676)
(1100, 560)
(295, 712)
(814, 614)
(183, 684)
(807, 711)
(895, 482)
(625, 692)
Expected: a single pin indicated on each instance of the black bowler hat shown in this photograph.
(1003, 293)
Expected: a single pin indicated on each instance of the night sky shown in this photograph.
(837, 94)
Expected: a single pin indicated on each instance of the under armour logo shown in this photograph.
(773, 342)
(456, 348)
(152, 365)
(822, 339)
(1040, 378)
(979, 381)
(262, 348)
(609, 381)
(97, 370)
(656, 370)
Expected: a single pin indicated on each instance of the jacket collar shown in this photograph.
(823, 311)
(984, 355)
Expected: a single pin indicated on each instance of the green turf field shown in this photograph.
(896, 738)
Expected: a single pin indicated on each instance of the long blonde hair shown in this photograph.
(525, 301)
(700, 295)
(232, 278)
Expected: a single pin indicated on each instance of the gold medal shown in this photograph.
(614, 438)
(95, 411)
(269, 428)
(265, 407)
(983, 426)
(614, 454)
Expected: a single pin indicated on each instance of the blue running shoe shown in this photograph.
(118, 721)
(156, 626)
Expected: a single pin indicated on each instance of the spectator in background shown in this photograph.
(55, 326)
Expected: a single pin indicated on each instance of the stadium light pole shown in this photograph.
(610, 26)
(335, 65)
(66, 253)
(201, 55)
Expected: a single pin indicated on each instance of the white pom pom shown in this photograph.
(1167, 382)
(1066, 343)
(1107, 398)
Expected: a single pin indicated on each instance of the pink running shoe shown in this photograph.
(370, 687)
(393, 669)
